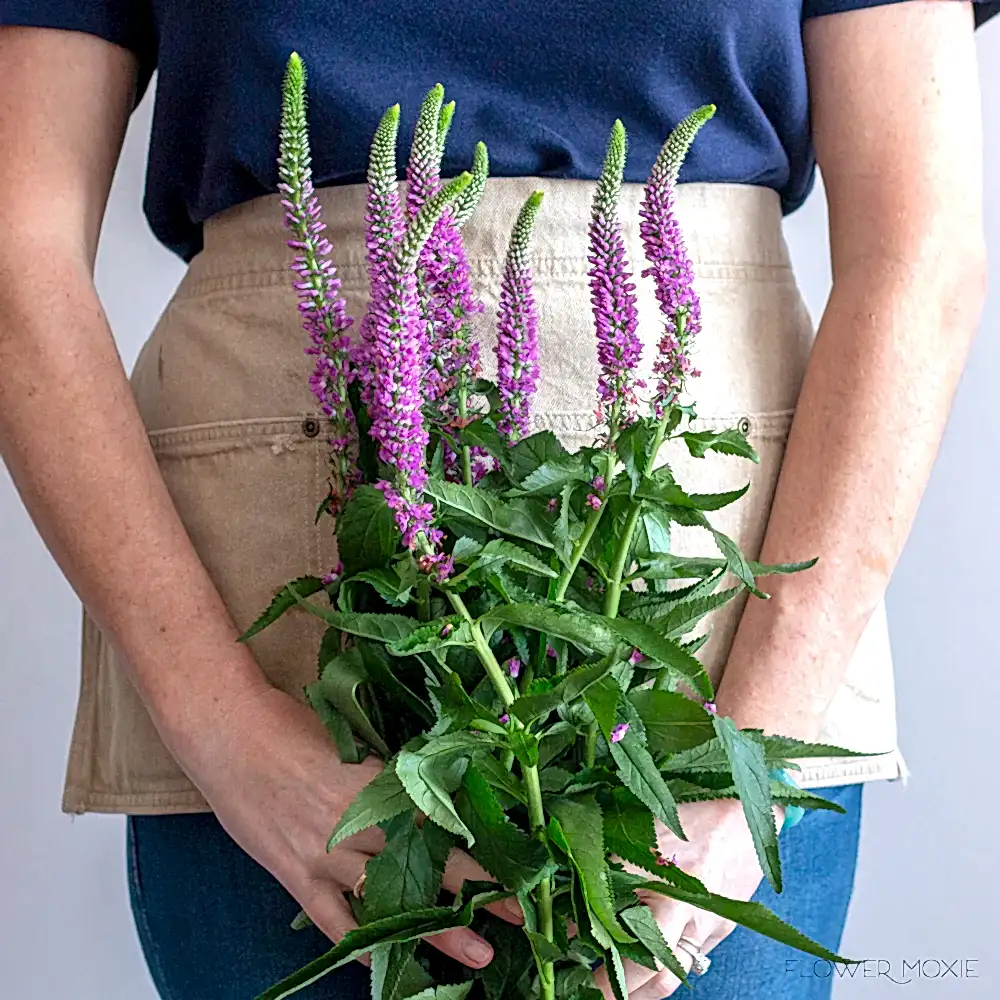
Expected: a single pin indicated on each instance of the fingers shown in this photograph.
(461, 868)
(636, 976)
(664, 983)
(329, 911)
(464, 946)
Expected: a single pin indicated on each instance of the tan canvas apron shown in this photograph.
(221, 384)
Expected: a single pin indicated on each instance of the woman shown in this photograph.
(175, 504)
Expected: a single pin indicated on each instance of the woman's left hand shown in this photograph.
(719, 851)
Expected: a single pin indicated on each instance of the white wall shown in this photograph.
(928, 866)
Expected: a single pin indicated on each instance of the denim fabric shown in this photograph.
(214, 925)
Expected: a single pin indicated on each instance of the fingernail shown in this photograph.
(478, 951)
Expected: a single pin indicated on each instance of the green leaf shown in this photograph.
(684, 615)
(387, 583)
(438, 634)
(500, 552)
(550, 477)
(399, 928)
(395, 973)
(751, 778)
(577, 827)
(716, 501)
(571, 687)
(511, 518)
(458, 991)
(367, 536)
(638, 772)
(480, 433)
(653, 534)
(499, 777)
(431, 774)
(629, 830)
(778, 748)
(756, 916)
(736, 561)
(641, 922)
(388, 677)
(402, 876)
(282, 601)
(633, 447)
(531, 452)
(543, 948)
(382, 628)
(602, 699)
(342, 677)
(652, 643)
(513, 858)
(672, 721)
(561, 529)
(729, 442)
(761, 569)
(671, 567)
(466, 549)
(382, 798)
(588, 632)
(616, 973)
(336, 725)
(508, 975)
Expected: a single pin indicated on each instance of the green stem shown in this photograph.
(613, 595)
(590, 745)
(466, 452)
(588, 533)
(532, 784)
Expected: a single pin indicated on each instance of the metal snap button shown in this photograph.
(310, 427)
(744, 425)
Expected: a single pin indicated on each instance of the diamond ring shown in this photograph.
(700, 962)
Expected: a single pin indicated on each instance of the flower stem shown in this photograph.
(532, 786)
(588, 533)
(466, 453)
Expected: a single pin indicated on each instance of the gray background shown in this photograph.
(929, 872)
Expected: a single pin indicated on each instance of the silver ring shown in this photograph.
(700, 962)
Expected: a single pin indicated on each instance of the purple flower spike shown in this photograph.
(670, 265)
(636, 657)
(517, 330)
(514, 667)
(322, 308)
(593, 501)
(504, 719)
(619, 731)
(612, 292)
(709, 706)
(384, 228)
(423, 169)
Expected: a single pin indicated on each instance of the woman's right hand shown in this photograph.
(271, 774)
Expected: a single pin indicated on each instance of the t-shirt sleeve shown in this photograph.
(983, 9)
(128, 23)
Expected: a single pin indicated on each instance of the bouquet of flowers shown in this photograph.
(509, 630)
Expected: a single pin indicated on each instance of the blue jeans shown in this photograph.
(214, 925)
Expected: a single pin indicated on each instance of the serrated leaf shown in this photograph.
(754, 915)
(367, 535)
(680, 618)
(402, 876)
(571, 687)
(399, 928)
(629, 830)
(483, 435)
(339, 685)
(284, 599)
(335, 724)
(438, 634)
(389, 678)
(653, 644)
(716, 501)
(638, 772)
(513, 858)
(602, 699)
(752, 781)
(728, 442)
(382, 628)
(641, 922)
(531, 452)
(458, 991)
(672, 721)
(588, 632)
(551, 476)
(431, 774)
(382, 798)
(466, 549)
(633, 447)
(512, 518)
(387, 583)
(577, 827)
(500, 552)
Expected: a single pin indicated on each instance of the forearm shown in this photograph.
(78, 453)
(869, 420)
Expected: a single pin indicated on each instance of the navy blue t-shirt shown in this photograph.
(539, 82)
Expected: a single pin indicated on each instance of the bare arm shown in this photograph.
(92, 488)
(263, 761)
(896, 121)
